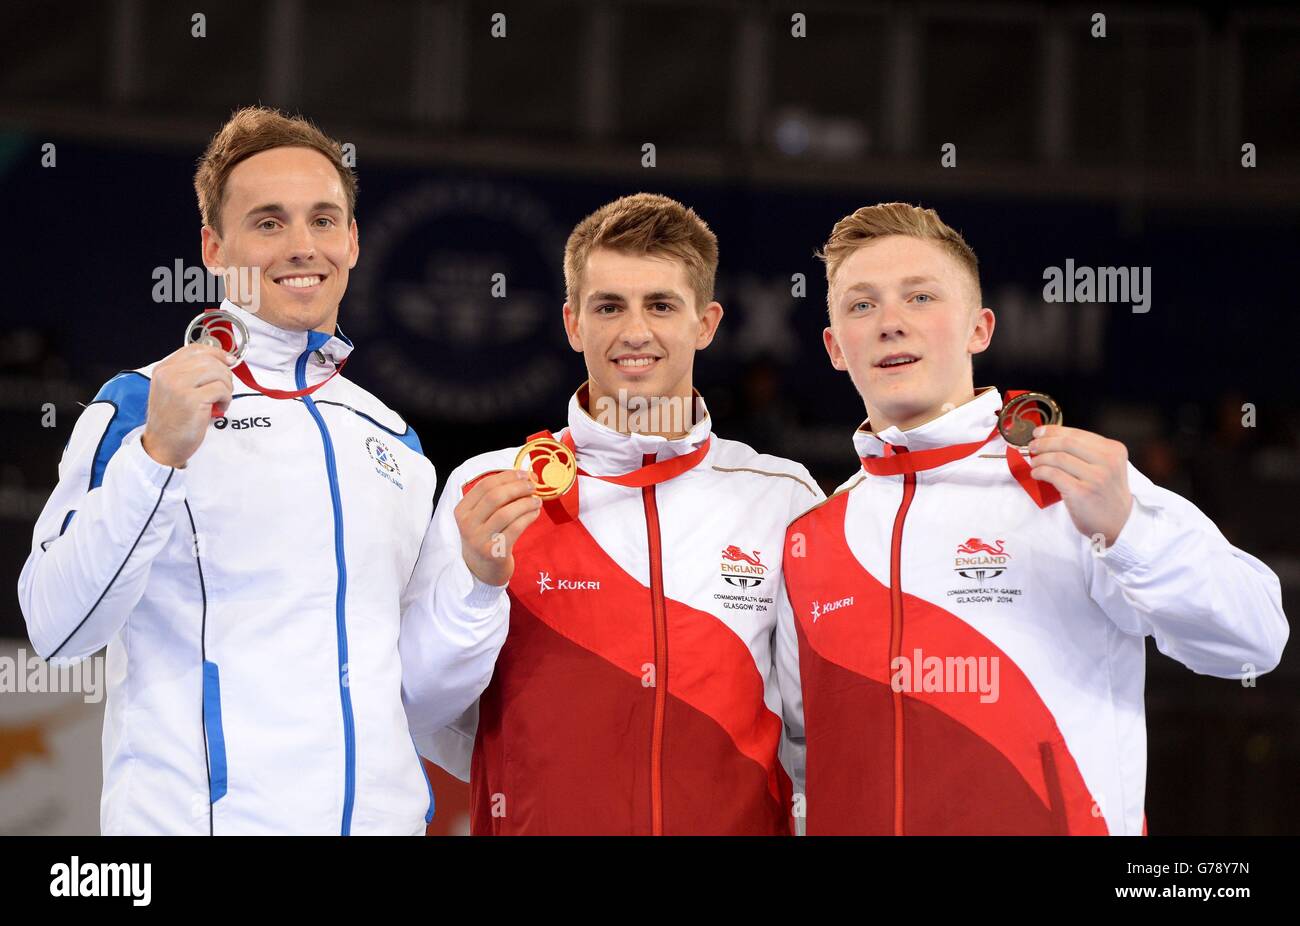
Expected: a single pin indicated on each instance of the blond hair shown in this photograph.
(872, 222)
(250, 131)
(645, 223)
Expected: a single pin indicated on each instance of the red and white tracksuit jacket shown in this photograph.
(636, 691)
(962, 660)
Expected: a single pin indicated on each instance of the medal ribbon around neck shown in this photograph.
(899, 461)
(219, 328)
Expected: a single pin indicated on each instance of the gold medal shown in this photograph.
(550, 465)
(1019, 417)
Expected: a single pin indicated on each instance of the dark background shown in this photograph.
(476, 155)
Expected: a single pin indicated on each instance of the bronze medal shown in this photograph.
(550, 465)
(1019, 417)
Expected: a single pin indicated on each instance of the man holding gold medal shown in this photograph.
(636, 558)
(962, 645)
(251, 556)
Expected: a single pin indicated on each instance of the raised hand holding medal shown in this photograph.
(1089, 471)
(186, 389)
(195, 384)
(222, 330)
(497, 508)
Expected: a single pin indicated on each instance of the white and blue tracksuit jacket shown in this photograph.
(267, 609)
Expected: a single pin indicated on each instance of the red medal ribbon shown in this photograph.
(245, 376)
(1043, 493)
(221, 330)
(898, 461)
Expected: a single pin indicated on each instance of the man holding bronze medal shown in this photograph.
(635, 557)
(251, 555)
(963, 638)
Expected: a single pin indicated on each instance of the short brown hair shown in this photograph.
(872, 222)
(645, 223)
(250, 131)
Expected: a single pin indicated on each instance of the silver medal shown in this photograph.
(201, 331)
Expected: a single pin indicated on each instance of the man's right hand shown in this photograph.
(182, 392)
(491, 517)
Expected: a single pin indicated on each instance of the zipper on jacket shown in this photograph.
(896, 636)
(314, 341)
(661, 653)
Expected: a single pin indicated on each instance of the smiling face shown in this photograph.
(285, 212)
(637, 325)
(905, 321)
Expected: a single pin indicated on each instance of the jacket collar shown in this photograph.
(272, 348)
(970, 421)
(604, 451)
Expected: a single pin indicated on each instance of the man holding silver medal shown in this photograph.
(253, 558)
(963, 639)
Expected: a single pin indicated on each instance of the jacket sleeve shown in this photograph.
(113, 510)
(1173, 575)
(452, 747)
(453, 626)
